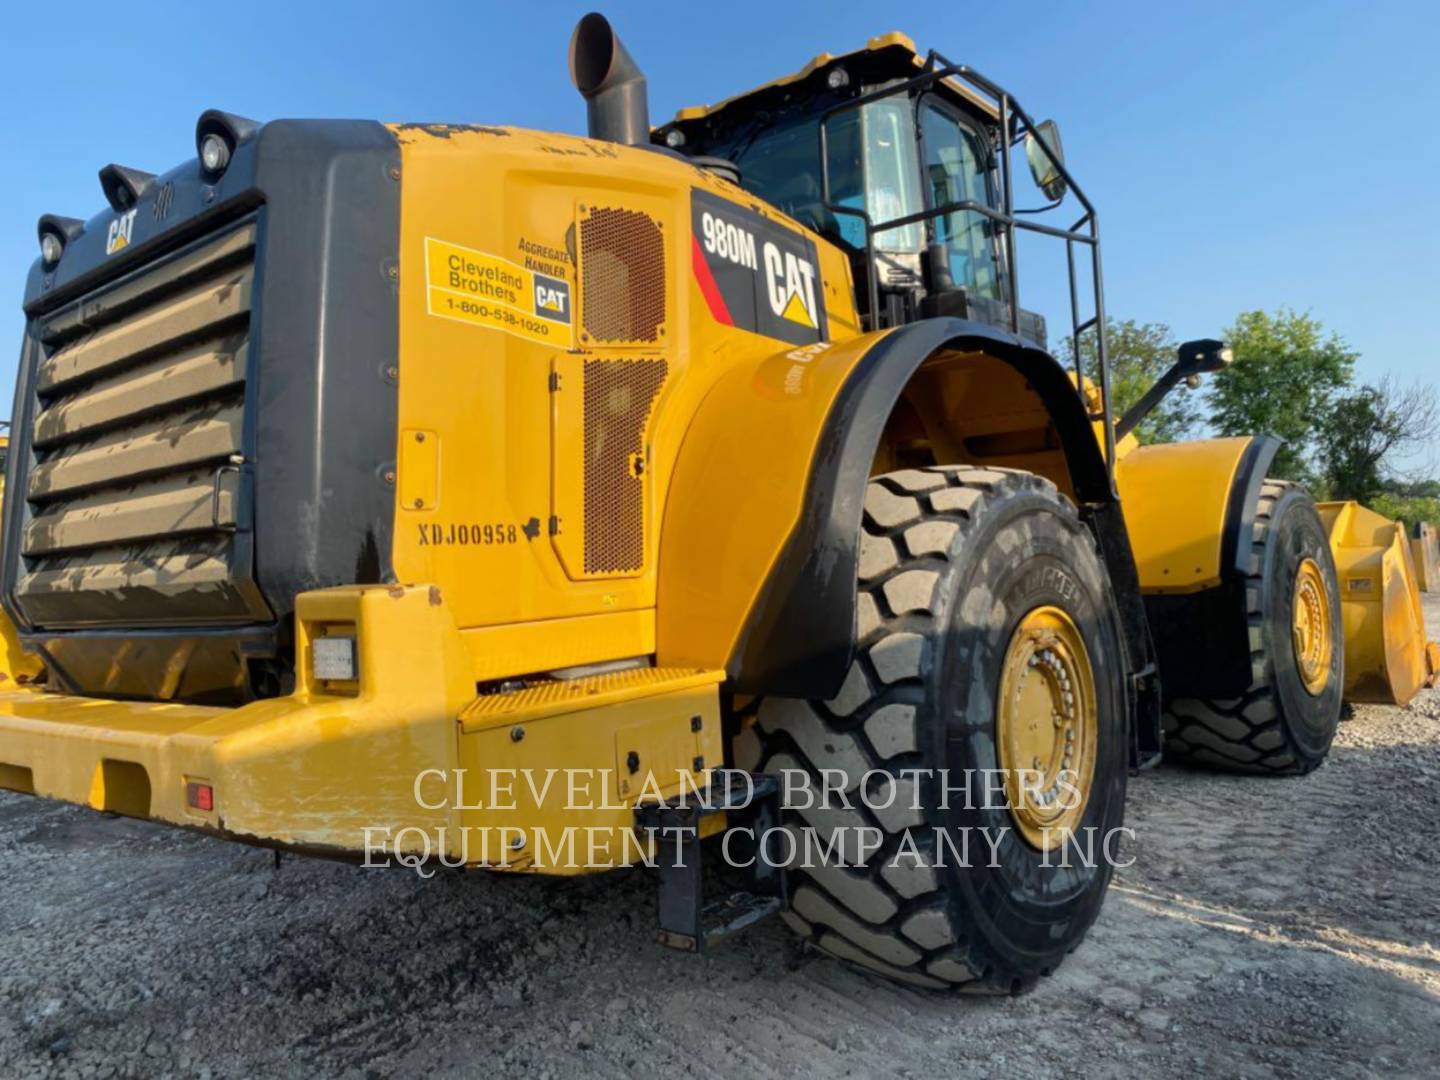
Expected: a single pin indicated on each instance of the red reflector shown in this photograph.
(200, 796)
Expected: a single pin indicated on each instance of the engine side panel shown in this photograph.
(565, 306)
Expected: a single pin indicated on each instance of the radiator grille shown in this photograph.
(137, 433)
(622, 275)
(619, 395)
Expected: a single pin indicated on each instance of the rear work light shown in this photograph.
(214, 154)
(55, 232)
(51, 248)
(218, 135)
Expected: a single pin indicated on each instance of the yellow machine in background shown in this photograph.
(1426, 548)
(1388, 657)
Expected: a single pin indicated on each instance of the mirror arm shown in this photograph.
(1151, 398)
(1197, 357)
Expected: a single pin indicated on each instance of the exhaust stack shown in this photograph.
(611, 83)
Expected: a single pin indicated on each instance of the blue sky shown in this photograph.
(1240, 155)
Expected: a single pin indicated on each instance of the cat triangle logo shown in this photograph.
(795, 311)
(790, 281)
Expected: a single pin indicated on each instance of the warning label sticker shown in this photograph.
(486, 290)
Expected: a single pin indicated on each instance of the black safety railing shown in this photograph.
(1014, 124)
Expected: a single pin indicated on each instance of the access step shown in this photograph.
(688, 921)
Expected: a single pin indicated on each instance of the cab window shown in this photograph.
(957, 169)
(882, 135)
(874, 167)
(782, 165)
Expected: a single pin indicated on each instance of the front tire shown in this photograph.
(1285, 720)
(970, 580)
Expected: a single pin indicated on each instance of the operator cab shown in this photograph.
(893, 143)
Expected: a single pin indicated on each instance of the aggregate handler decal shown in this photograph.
(755, 274)
(485, 290)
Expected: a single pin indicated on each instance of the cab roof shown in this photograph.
(884, 58)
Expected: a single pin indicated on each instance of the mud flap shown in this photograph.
(1142, 688)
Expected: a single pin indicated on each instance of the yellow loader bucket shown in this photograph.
(1426, 543)
(1387, 656)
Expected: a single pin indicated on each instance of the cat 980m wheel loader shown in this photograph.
(364, 476)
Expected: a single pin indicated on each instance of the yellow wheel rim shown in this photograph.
(1046, 727)
(1310, 626)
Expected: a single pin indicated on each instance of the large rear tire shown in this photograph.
(1285, 720)
(970, 580)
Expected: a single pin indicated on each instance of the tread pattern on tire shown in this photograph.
(1245, 734)
(890, 916)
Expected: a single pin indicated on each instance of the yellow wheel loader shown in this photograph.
(364, 477)
(1388, 658)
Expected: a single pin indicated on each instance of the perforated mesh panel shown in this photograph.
(619, 395)
(622, 259)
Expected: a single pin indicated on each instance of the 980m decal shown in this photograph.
(755, 274)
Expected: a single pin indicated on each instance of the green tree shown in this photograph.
(1139, 354)
(1365, 429)
(1406, 508)
(1414, 489)
(1286, 374)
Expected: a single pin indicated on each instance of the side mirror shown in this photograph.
(1202, 356)
(1043, 166)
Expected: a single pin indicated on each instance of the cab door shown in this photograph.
(957, 164)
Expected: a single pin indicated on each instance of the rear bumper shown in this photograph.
(404, 761)
(313, 770)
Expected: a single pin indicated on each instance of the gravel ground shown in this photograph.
(1267, 927)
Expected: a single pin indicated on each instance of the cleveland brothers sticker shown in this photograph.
(486, 290)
